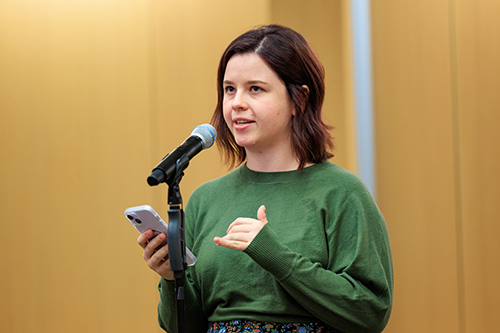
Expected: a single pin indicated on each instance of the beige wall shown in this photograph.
(436, 82)
(477, 101)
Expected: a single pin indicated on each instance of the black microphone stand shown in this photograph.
(176, 237)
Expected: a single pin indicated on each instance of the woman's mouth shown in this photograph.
(243, 122)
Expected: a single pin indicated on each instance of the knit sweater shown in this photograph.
(323, 256)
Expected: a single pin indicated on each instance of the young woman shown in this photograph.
(287, 242)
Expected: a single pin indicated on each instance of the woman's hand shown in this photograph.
(242, 231)
(157, 259)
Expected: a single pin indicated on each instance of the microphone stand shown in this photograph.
(176, 237)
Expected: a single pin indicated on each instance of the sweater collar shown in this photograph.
(276, 177)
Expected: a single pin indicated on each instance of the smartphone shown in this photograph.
(144, 218)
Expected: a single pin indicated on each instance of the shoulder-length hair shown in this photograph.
(291, 58)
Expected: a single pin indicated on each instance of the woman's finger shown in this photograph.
(152, 245)
(144, 237)
(239, 222)
(158, 258)
(231, 244)
(241, 228)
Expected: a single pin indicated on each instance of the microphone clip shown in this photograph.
(180, 165)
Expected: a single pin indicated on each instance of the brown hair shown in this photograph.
(291, 58)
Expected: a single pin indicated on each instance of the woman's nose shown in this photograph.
(239, 102)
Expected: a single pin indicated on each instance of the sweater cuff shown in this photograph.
(167, 283)
(268, 252)
(167, 290)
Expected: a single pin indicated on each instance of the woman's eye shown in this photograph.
(255, 89)
(229, 89)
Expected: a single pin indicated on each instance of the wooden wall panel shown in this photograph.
(415, 161)
(74, 135)
(436, 93)
(478, 103)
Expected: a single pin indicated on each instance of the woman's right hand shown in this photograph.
(157, 259)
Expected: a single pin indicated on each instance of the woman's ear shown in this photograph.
(305, 98)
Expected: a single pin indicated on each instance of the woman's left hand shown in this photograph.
(242, 231)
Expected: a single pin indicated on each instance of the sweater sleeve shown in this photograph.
(352, 294)
(167, 308)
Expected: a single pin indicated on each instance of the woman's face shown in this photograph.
(256, 105)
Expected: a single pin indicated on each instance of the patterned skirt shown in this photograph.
(250, 326)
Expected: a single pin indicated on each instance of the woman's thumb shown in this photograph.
(261, 214)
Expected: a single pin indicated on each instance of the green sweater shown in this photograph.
(324, 256)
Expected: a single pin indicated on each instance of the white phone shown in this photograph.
(144, 218)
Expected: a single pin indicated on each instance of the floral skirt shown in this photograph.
(250, 326)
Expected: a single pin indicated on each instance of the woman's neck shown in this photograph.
(271, 161)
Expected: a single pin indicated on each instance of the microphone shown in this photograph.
(202, 137)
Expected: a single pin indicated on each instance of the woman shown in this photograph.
(311, 252)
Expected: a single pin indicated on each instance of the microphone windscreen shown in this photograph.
(206, 133)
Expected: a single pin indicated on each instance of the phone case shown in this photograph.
(145, 217)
